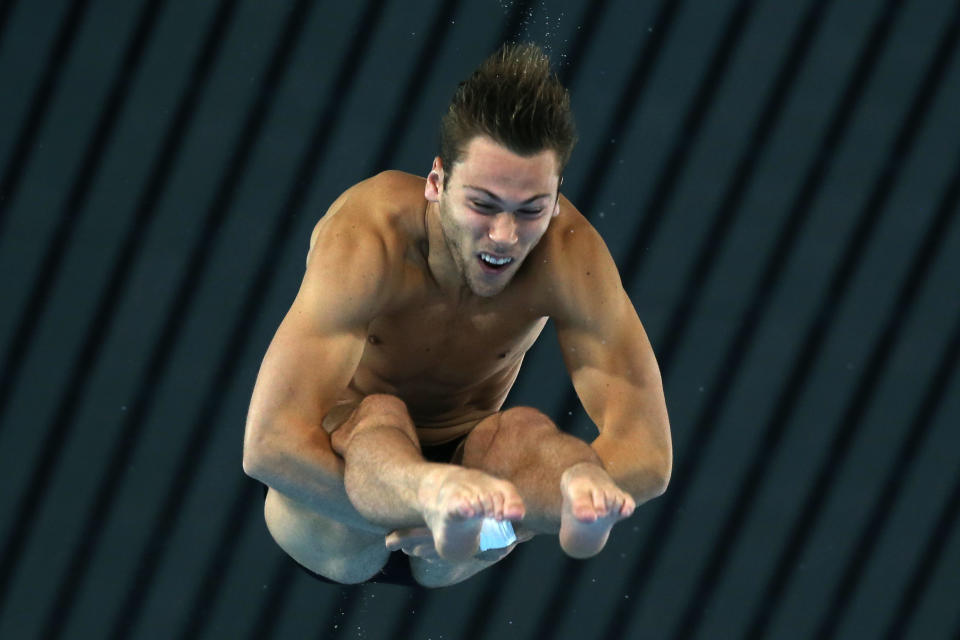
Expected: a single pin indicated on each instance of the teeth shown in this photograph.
(496, 261)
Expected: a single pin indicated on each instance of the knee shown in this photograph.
(377, 410)
(508, 439)
(525, 423)
(382, 403)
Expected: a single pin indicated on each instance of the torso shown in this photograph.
(451, 361)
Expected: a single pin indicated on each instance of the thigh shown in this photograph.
(508, 440)
(323, 545)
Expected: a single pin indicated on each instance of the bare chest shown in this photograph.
(431, 351)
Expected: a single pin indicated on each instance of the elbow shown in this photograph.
(656, 478)
(252, 463)
(661, 479)
(663, 470)
(256, 452)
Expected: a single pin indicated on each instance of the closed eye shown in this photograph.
(485, 207)
(482, 206)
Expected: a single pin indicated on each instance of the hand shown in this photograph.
(417, 542)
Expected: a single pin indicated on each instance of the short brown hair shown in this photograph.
(514, 98)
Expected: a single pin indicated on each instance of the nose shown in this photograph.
(503, 229)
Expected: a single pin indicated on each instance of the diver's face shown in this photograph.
(494, 209)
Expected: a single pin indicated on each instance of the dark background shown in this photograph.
(777, 180)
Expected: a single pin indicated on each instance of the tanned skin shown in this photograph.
(402, 336)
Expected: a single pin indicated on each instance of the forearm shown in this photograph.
(641, 471)
(299, 462)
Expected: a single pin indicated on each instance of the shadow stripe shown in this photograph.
(587, 27)
(727, 212)
(350, 596)
(76, 201)
(99, 328)
(247, 506)
(73, 207)
(35, 116)
(920, 426)
(412, 94)
(626, 109)
(6, 8)
(28, 506)
(154, 549)
(815, 337)
(723, 219)
(723, 380)
(281, 583)
(404, 625)
(654, 209)
(923, 572)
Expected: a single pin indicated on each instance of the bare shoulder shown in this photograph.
(358, 247)
(378, 206)
(577, 263)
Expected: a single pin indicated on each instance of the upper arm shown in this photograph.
(318, 345)
(608, 354)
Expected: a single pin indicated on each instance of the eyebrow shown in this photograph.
(496, 197)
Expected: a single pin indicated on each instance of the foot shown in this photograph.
(454, 502)
(592, 504)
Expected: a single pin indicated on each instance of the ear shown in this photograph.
(556, 203)
(434, 186)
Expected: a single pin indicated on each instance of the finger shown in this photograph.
(396, 539)
(393, 541)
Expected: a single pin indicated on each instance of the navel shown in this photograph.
(372, 339)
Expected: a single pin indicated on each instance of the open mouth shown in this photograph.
(492, 263)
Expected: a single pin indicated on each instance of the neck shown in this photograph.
(440, 261)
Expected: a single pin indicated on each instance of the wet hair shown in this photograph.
(514, 98)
